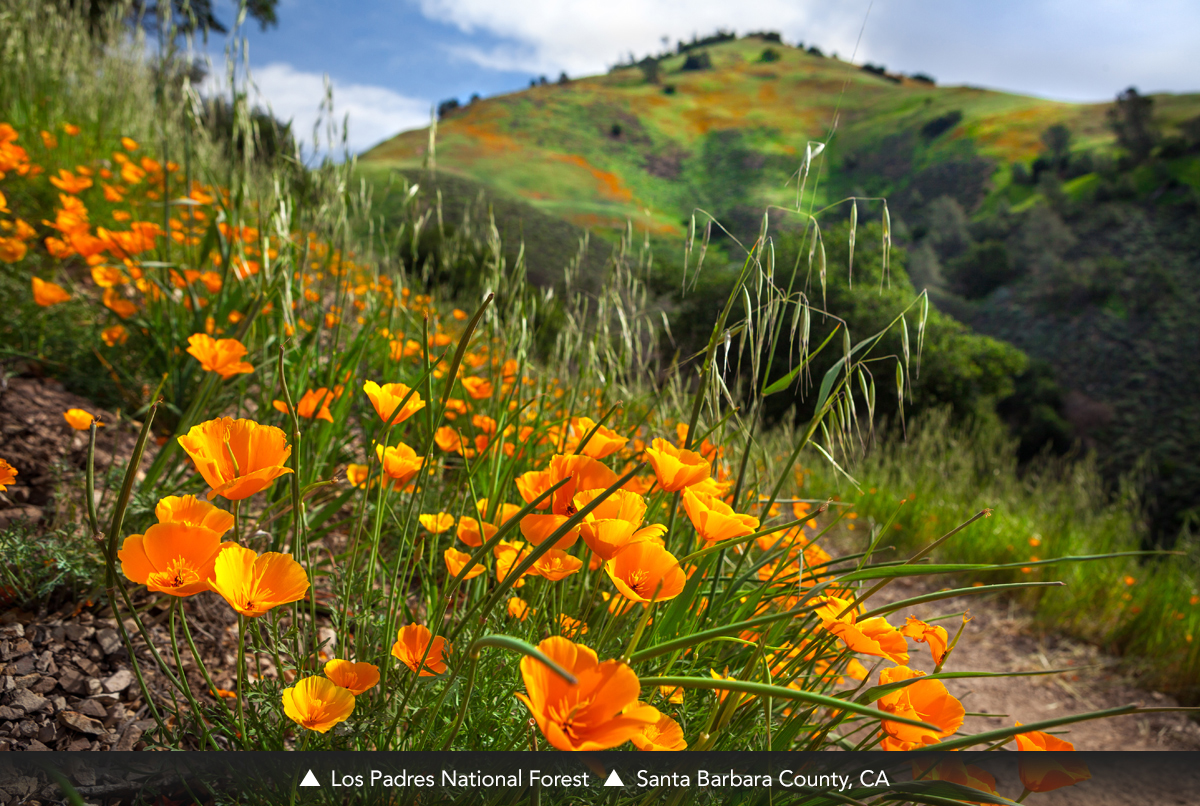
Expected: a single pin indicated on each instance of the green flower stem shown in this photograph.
(241, 679)
(187, 689)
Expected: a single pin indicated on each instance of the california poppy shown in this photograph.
(556, 564)
(46, 294)
(190, 510)
(114, 335)
(664, 734)
(386, 398)
(604, 441)
(8, 475)
(173, 558)
(934, 636)
(222, 356)
(645, 572)
(78, 419)
(412, 643)
(357, 474)
(1047, 773)
(355, 677)
(614, 522)
(317, 703)
(438, 523)
(122, 307)
(872, 636)
(582, 473)
(955, 771)
(599, 712)
(477, 388)
(457, 560)
(518, 608)
(400, 463)
(255, 583)
(508, 555)
(714, 519)
(676, 468)
(571, 627)
(237, 458)
(312, 404)
(473, 532)
(924, 700)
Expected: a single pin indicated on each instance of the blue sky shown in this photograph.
(390, 60)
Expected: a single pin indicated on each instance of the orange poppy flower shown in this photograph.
(672, 694)
(386, 398)
(70, 128)
(935, 636)
(67, 182)
(957, 772)
(584, 473)
(173, 558)
(533, 484)
(664, 734)
(477, 388)
(354, 677)
(474, 532)
(317, 703)
(714, 519)
(313, 403)
(614, 522)
(645, 572)
(190, 510)
(556, 564)
(604, 442)
(599, 712)
(924, 700)
(519, 609)
(411, 644)
(448, 439)
(508, 555)
(873, 636)
(457, 560)
(46, 294)
(357, 474)
(129, 144)
(255, 583)
(1047, 773)
(8, 475)
(438, 523)
(676, 468)
(400, 463)
(114, 335)
(222, 356)
(237, 458)
(570, 627)
(12, 250)
(78, 419)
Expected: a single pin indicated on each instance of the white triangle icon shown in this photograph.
(309, 780)
(613, 779)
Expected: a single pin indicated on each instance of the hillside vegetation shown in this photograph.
(1067, 230)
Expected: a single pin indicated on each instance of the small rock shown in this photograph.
(13, 630)
(89, 668)
(58, 634)
(92, 708)
(109, 641)
(58, 702)
(36, 745)
(79, 744)
(45, 664)
(27, 728)
(72, 682)
(80, 723)
(119, 681)
(94, 686)
(26, 680)
(21, 666)
(80, 632)
(25, 699)
(44, 686)
(47, 733)
(129, 737)
(11, 714)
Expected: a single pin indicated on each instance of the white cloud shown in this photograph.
(1069, 49)
(376, 113)
(585, 36)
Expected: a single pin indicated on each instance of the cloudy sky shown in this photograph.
(389, 60)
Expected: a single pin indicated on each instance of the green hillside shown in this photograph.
(1029, 220)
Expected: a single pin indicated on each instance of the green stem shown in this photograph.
(187, 689)
(241, 678)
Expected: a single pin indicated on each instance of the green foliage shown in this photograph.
(1131, 120)
(39, 566)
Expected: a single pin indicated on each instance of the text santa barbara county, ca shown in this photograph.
(643, 778)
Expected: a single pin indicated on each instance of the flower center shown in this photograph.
(177, 574)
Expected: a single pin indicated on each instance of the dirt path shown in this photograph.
(1001, 637)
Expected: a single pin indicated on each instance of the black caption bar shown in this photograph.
(616, 778)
